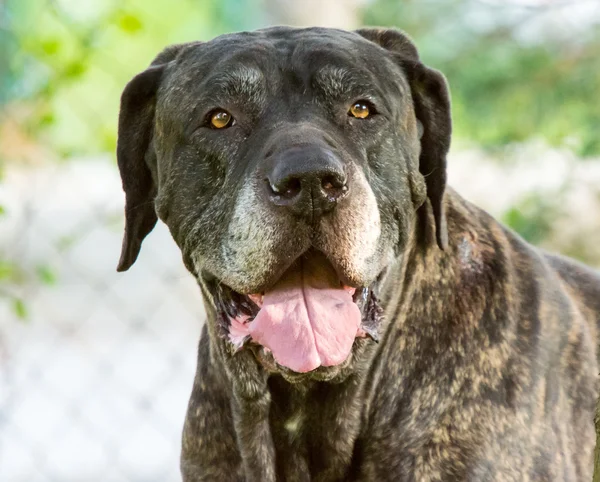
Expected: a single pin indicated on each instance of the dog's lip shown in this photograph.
(258, 290)
(237, 309)
(257, 298)
(266, 359)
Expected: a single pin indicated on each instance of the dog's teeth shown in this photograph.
(349, 289)
(257, 299)
(372, 332)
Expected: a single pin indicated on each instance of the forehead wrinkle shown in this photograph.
(335, 81)
(245, 82)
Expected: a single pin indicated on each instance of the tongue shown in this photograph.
(307, 320)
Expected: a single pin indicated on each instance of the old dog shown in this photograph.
(364, 322)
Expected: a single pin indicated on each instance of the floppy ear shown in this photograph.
(136, 126)
(431, 100)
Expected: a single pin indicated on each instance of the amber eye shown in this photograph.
(220, 119)
(360, 110)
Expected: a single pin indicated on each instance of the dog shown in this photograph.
(364, 322)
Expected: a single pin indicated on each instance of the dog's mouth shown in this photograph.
(307, 319)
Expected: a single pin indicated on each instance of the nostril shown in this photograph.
(288, 188)
(292, 187)
(334, 187)
(332, 182)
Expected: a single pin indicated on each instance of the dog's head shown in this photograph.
(288, 165)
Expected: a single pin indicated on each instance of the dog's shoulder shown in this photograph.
(581, 279)
(553, 289)
(582, 284)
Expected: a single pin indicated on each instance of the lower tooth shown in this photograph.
(372, 332)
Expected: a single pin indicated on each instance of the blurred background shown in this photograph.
(96, 367)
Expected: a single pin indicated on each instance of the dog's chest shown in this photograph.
(293, 424)
(314, 430)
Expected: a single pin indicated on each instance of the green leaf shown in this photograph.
(2, 210)
(19, 308)
(46, 119)
(46, 275)
(130, 23)
(50, 46)
(7, 270)
(66, 242)
(108, 138)
(74, 69)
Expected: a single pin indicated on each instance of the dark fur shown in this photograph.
(486, 368)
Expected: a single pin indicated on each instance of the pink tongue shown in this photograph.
(307, 319)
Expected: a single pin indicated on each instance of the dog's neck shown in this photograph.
(427, 285)
(405, 274)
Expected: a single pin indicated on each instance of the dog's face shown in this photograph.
(288, 165)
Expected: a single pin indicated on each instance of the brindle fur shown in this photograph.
(486, 367)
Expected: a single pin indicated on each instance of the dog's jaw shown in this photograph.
(235, 324)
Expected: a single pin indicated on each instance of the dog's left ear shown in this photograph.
(431, 100)
(136, 128)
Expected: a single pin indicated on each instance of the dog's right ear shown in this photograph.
(136, 127)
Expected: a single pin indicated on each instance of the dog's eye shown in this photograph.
(219, 119)
(360, 110)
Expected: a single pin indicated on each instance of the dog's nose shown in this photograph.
(309, 181)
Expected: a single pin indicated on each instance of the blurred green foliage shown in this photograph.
(506, 88)
(67, 61)
(533, 217)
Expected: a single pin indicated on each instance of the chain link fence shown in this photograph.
(95, 381)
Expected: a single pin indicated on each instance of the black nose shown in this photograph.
(309, 181)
